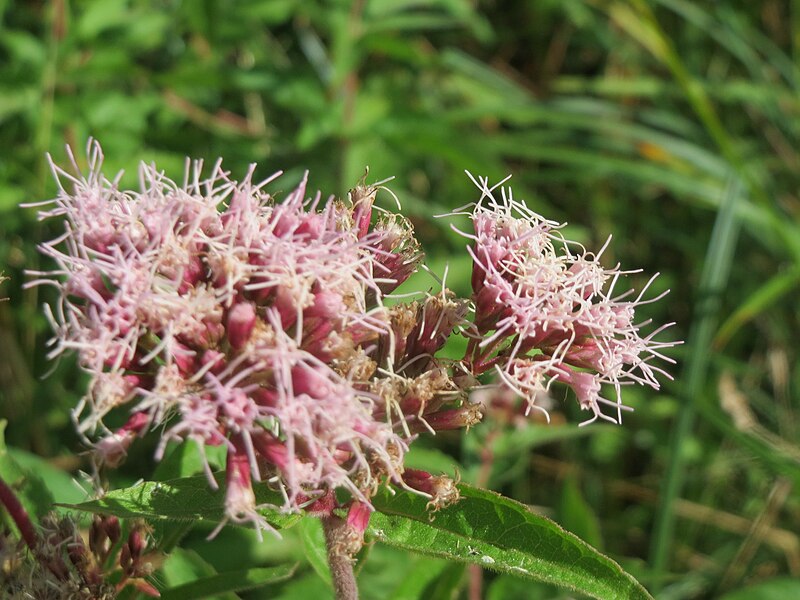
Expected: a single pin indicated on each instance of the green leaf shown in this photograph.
(577, 516)
(101, 16)
(187, 499)
(432, 460)
(60, 484)
(170, 533)
(183, 567)
(24, 48)
(186, 459)
(306, 586)
(446, 586)
(418, 579)
(232, 581)
(26, 484)
(314, 547)
(498, 533)
(482, 528)
(504, 587)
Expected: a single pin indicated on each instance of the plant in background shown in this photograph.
(56, 561)
(212, 311)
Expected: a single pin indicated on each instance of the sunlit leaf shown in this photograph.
(187, 499)
(501, 534)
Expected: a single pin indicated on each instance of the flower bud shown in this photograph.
(272, 449)
(193, 272)
(454, 418)
(442, 490)
(358, 516)
(184, 358)
(309, 381)
(112, 449)
(438, 317)
(321, 507)
(215, 358)
(98, 537)
(79, 557)
(362, 197)
(113, 529)
(240, 501)
(136, 543)
(125, 560)
(241, 320)
(145, 588)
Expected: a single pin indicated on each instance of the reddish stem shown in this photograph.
(480, 358)
(15, 509)
(469, 353)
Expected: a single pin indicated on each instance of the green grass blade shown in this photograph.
(764, 296)
(636, 17)
(714, 278)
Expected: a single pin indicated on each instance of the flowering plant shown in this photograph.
(265, 324)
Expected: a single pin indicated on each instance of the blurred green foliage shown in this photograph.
(627, 117)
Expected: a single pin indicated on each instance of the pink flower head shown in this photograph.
(212, 312)
(546, 311)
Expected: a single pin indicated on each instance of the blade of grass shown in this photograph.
(716, 269)
(764, 296)
(637, 18)
(743, 42)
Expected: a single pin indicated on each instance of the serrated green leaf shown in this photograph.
(232, 581)
(501, 534)
(482, 528)
(186, 499)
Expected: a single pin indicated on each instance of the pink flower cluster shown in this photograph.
(219, 315)
(546, 311)
(214, 313)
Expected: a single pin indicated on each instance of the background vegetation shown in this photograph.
(671, 124)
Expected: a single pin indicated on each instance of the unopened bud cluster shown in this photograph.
(214, 312)
(65, 564)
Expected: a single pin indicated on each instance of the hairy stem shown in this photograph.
(341, 563)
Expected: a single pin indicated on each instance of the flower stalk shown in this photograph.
(337, 539)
